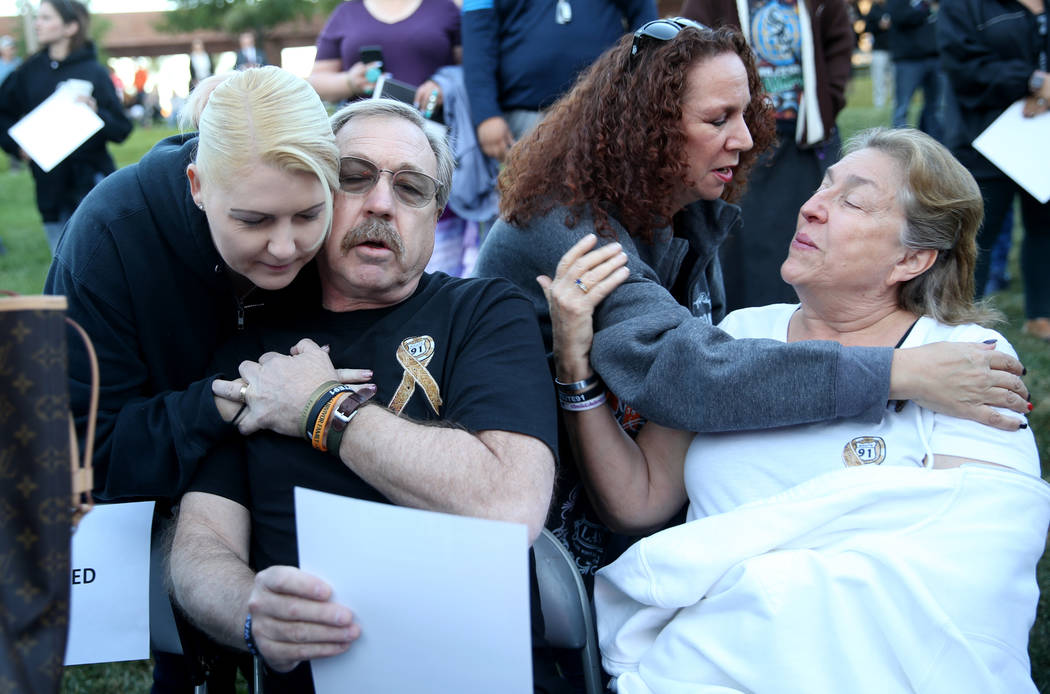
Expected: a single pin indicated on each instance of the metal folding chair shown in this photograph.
(568, 615)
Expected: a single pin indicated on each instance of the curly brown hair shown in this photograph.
(614, 144)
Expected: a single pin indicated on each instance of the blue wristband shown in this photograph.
(248, 639)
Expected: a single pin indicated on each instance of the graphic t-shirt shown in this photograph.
(776, 38)
(476, 358)
(724, 471)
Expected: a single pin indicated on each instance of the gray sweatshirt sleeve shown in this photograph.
(679, 370)
(682, 372)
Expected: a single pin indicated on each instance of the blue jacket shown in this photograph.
(474, 193)
(142, 276)
(516, 56)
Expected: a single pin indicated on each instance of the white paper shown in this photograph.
(442, 600)
(54, 129)
(1020, 147)
(109, 597)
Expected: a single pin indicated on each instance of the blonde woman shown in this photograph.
(169, 256)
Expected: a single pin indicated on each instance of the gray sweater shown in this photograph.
(667, 360)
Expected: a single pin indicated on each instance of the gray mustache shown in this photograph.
(376, 230)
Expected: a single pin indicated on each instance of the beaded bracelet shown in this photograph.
(248, 638)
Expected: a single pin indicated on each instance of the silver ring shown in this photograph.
(1041, 101)
(581, 285)
(244, 393)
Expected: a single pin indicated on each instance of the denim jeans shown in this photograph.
(910, 76)
(881, 77)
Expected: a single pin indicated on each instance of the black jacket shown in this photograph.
(989, 49)
(880, 37)
(912, 34)
(144, 279)
(35, 80)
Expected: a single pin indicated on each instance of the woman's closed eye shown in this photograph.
(311, 213)
(253, 220)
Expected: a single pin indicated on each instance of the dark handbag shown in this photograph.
(44, 489)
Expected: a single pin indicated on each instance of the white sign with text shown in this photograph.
(109, 597)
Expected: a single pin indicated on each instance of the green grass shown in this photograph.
(24, 266)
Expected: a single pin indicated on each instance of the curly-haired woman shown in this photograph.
(645, 152)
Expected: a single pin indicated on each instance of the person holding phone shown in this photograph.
(410, 42)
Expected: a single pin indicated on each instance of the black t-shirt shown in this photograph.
(485, 355)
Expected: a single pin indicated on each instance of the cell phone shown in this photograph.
(371, 54)
(390, 88)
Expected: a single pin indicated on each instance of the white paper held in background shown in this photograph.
(442, 600)
(54, 129)
(1020, 147)
(109, 598)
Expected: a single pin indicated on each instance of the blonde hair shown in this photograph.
(943, 209)
(267, 115)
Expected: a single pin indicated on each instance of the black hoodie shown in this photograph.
(144, 279)
(64, 186)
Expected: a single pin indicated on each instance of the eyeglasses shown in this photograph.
(413, 188)
(662, 30)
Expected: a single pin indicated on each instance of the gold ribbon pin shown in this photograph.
(414, 354)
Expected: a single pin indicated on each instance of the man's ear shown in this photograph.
(912, 264)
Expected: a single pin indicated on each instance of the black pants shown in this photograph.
(783, 179)
(998, 194)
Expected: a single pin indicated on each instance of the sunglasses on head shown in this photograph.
(413, 188)
(660, 30)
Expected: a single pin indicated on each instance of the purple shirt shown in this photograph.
(413, 49)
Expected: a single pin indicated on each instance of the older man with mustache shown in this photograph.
(446, 423)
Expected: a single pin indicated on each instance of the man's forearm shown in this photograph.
(210, 581)
(492, 474)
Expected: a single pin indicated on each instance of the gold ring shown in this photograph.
(244, 393)
(581, 285)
